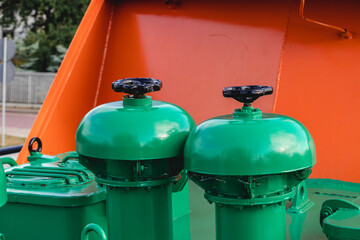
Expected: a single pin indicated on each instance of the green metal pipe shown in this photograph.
(8, 160)
(140, 213)
(92, 227)
(261, 222)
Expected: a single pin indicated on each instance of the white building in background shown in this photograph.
(20, 32)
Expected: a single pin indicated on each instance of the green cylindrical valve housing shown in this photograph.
(249, 163)
(135, 148)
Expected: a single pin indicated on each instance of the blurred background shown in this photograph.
(38, 35)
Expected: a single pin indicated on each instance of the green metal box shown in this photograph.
(51, 198)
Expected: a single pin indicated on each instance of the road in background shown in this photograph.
(18, 123)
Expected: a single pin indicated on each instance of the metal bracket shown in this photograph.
(301, 202)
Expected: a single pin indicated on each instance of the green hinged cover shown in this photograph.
(51, 197)
(53, 183)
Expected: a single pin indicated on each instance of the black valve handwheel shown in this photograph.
(247, 94)
(137, 86)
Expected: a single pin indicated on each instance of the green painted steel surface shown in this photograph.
(250, 203)
(41, 222)
(181, 228)
(8, 160)
(92, 227)
(57, 183)
(301, 202)
(250, 223)
(134, 129)
(39, 157)
(232, 145)
(51, 200)
(299, 226)
(340, 219)
(3, 194)
(135, 148)
(343, 225)
(139, 213)
(133, 173)
(250, 190)
(180, 204)
(249, 164)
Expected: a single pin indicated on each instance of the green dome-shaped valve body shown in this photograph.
(249, 161)
(135, 147)
(232, 145)
(249, 142)
(136, 128)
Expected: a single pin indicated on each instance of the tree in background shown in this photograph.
(51, 25)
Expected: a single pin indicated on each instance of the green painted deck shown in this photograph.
(303, 226)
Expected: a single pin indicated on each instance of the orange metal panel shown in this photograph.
(196, 50)
(319, 84)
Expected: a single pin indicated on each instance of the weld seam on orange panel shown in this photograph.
(104, 56)
(281, 59)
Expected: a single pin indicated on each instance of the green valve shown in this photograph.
(249, 163)
(135, 148)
